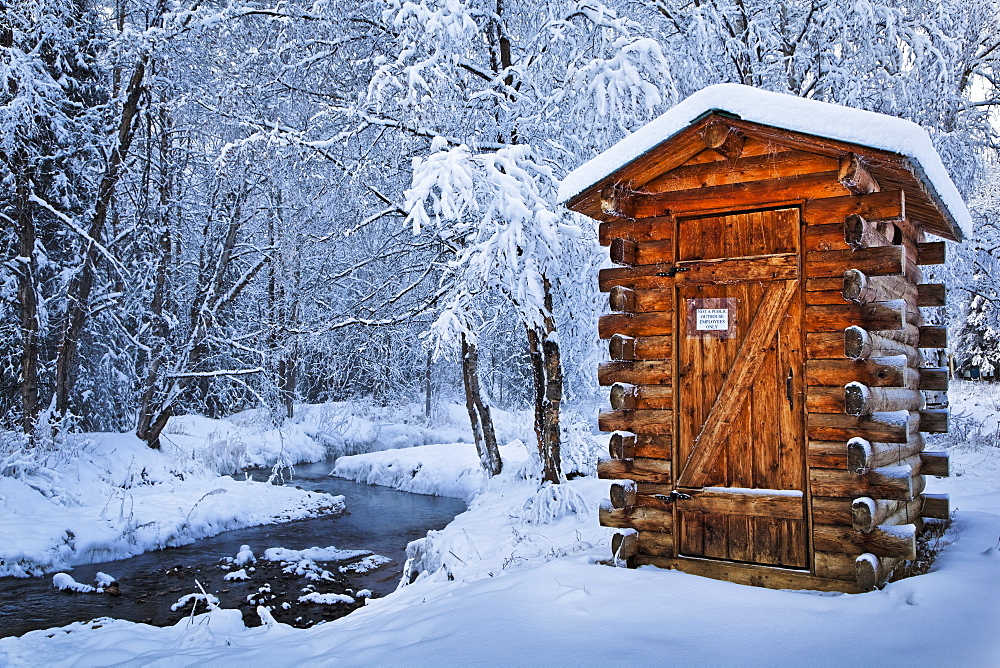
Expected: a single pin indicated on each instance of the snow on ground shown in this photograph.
(349, 428)
(515, 580)
(450, 469)
(316, 432)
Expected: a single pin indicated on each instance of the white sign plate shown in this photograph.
(712, 319)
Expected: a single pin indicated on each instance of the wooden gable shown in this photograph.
(732, 161)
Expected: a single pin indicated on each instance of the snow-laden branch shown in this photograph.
(500, 205)
(71, 224)
(214, 374)
(618, 91)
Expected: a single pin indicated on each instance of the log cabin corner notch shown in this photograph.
(767, 372)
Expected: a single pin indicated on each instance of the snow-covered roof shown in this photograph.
(788, 112)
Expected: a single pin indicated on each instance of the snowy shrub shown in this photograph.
(187, 518)
(255, 419)
(514, 426)
(16, 459)
(966, 431)
(224, 453)
(580, 446)
(51, 444)
(530, 468)
(210, 600)
(352, 428)
(551, 502)
(38, 467)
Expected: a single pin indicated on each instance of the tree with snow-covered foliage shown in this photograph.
(919, 60)
(490, 208)
(52, 130)
(973, 277)
(510, 95)
(978, 341)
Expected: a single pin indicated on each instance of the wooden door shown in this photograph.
(739, 375)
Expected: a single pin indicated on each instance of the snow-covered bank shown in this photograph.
(449, 469)
(113, 497)
(318, 431)
(348, 428)
(100, 497)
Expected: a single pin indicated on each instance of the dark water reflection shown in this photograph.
(379, 519)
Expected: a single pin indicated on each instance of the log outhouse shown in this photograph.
(771, 367)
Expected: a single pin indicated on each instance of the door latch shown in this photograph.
(670, 498)
(672, 271)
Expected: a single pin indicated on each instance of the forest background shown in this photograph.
(214, 206)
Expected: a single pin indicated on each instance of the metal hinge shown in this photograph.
(669, 273)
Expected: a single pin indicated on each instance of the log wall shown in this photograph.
(865, 373)
(866, 398)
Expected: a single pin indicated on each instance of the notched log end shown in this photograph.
(855, 286)
(863, 514)
(623, 494)
(622, 347)
(622, 445)
(936, 464)
(617, 200)
(854, 176)
(856, 399)
(872, 572)
(623, 396)
(624, 546)
(934, 421)
(620, 298)
(724, 140)
(859, 455)
(854, 232)
(624, 251)
(857, 343)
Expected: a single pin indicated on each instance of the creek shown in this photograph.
(379, 519)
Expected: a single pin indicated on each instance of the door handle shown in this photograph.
(788, 389)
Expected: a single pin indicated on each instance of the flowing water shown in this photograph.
(378, 519)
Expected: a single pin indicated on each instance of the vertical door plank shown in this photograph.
(740, 538)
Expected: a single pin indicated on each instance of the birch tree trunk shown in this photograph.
(479, 412)
(546, 366)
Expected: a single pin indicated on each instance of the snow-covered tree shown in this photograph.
(978, 341)
(52, 122)
(972, 275)
(508, 95)
(922, 60)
